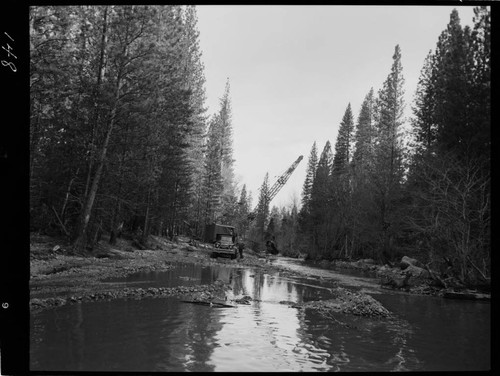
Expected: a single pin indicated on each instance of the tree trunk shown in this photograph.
(80, 240)
(160, 227)
(100, 72)
(145, 233)
(114, 230)
(116, 209)
(61, 216)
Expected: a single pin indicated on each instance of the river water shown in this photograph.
(164, 334)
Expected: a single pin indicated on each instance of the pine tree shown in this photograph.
(343, 145)
(56, 98)
(481, 97)
(304, 217)
(213, 182)
(358, 210)
(116, 96)
(321, 179)
(388, 171)
(242, 222)
(452, 104)
(449, 181)
(226, 153)
(195, 81)
(340, 189)
(219, 186)
(424, 124)
(289, 234)
(453, 71)
(262, 218)
(364, 134)
(320, 200)
(311, 171)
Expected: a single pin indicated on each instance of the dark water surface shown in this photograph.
(164, 334)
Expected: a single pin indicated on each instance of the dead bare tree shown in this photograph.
(453, 216)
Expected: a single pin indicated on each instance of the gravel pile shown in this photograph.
(347, 302)
(216, 289)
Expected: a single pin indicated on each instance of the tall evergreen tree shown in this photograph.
(340, 189)
(452, 107)
(127, 26)
(453, 71)
(364, 135)
(322, 178)
(213, 182)
(117, 119)
(304, 217)
(60, 88)
(424, 124)
(226, 153)
(450, 169)
(261, 221)
(481, 98)
(388, 172)
(310, 173)
(195, 82)
(169, 131)
(359, 216)
(320, 200)
(242, 222)
(219, 186)
(290, 232)
(343, 145)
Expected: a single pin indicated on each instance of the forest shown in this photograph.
(121, 145)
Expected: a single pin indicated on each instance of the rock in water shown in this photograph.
(244, 300)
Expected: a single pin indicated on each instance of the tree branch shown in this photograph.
(486, 279)
(60, 222)
(435, 277)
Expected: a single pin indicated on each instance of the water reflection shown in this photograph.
(266, 335)
(166, 335)
(147, 335)
(186, 274)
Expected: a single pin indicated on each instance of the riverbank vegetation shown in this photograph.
(120, 142)
(121, 145)
(421, 188)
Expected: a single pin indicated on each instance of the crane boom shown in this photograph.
(273, 191)
(282, 180)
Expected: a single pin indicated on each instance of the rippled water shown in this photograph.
(163, 334)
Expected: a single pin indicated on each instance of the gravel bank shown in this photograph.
(59, 277)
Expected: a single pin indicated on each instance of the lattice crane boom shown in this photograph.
(282, 180)
(275, 188)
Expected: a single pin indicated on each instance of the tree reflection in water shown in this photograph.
(167, 335)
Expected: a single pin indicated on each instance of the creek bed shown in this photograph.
(425, 334)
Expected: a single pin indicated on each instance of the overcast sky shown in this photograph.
(294, 69)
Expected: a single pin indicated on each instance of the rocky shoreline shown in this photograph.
(410, 276)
